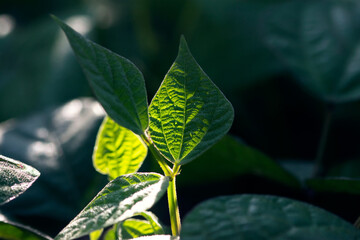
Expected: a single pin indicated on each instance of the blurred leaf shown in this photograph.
(15, 178)
(117, 150)
(301, 169)
(230, 158)
(335, 185)
(95, 235)
(120, 199)
(188, 113)
(350, 169)
(14, 231)
(59, 143)
(117, 83)
(263, 217)
(319, 41)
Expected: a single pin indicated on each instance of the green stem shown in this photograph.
(173, 208)
(318, 168)
(158, 157)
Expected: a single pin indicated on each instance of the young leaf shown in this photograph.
(120, 199)
(335, 185)
(15, 178)
(117, 83)
(95, 235)
(132, 228)
(118, 151)
(263, 217)
(188, 113)
(158, 237)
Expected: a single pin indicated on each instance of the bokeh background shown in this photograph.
(284, 65)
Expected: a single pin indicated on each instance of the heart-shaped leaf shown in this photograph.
(249, 217)
(15, 178)
(319, 42)
(188, 113)
(335, 185)
(120, 199)
(117, 83)
(118, 151)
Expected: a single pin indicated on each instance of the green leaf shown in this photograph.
(118, 151)
(236, 159)
(322, 50)
(15, 231)
(188, 113)
(157, 237)
(350, 169)
(95, 235)
(132, 228)
(15, 178)
(117, 83)
(335, 185)
(120, 199)
(249, 217)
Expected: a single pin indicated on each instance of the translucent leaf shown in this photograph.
(157, 237)
(95, 235)
(188, 113)
(117, 83)
(118, 151)
(249, 217)
(120, 199)
(132, 228)
(15, 178)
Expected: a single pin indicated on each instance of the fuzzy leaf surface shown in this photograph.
(260, 217)
(118, 151)
(117, 83)
(120, 199)
(15, 178)
(188, 113)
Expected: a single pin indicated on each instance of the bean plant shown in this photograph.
(186, 117)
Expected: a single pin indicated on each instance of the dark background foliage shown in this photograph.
(283, 64)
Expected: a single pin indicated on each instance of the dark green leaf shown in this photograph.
(250, 217)
(230, 158)
(14, 231)
(335, 185)
(117, 83)
(350, 169)
(117, 150)
(120, 199)
(319, 41)
(188, 113)
(15, 178)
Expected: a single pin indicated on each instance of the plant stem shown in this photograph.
(318, 168)
(173, 208)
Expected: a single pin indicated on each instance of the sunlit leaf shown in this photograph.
(188, 113)
(157, 237)
(335, 185)
(15, 178)
(120, 199)
(117, 83)
(132, 228)
(95, 235)
(249, 217)
(118, 151)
